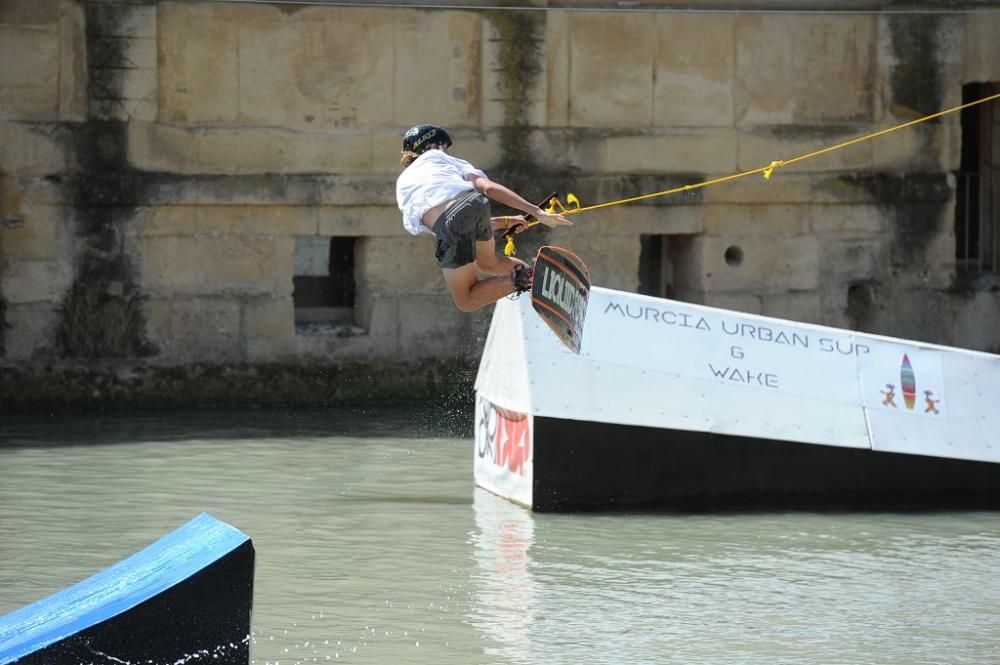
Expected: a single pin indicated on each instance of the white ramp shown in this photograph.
(721, 383)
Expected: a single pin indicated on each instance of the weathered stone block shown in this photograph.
(695, 61)
(511, 94)
(619, 96)
(905, 37)
(262, 220)
(127, 110)
(824, 219)
(213, 265)
(160, 147)
(140, 83)
(982, 48)
(481, 149)
(195, 329)
(702, 151)
(434, 328)
(386, 150)
(585, 151)
(378, 315)
(764, 67)
(30, 90)
(852, 259)
(743, 220)
(250, 189)
(123, 52)
(785, 73)
(782, 188)
(38, 236)
(30, 331)
(354, 189)
(72, 62)
(244, 150)
(30, 12)
(834, 68)
(758, 147)
(191, 35)
(649, 220)
(451, 40)
(247, 150)
(121, 20)
(977, 322)
(169, 220)
(399, 265)
(331, 71)
(755, 263)
(803, 307)
(333, 344)
(269, 329)
(31, 150)
(613, 260)
(557, 67)
(738, 302)
(360, 221)
(35, 281)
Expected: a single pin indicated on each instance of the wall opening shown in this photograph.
(977, 199)
(664, 262)
(323, 282)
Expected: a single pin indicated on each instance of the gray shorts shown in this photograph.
(459, 227)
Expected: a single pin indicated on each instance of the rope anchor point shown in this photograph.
(769, 169)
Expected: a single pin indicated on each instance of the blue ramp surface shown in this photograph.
(191, 592)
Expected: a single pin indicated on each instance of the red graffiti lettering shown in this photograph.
(513, 444)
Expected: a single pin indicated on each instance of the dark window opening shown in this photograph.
(653, 266)
(665, 266)
(323, 284)
(977, 197)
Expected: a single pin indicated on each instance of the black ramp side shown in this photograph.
(587, 465)
(185, 599)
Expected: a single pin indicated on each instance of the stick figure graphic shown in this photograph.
(930, 402)
(890, 395)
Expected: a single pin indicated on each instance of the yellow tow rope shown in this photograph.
(555, 206)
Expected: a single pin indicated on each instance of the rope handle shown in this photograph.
(546, 204)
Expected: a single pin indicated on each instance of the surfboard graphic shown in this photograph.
(908, 381)
(559, 293)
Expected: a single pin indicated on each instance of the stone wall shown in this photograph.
(159, 159)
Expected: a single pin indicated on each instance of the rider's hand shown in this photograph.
(552, 219)
(517, 224)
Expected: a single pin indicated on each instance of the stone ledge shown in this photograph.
(117, 386)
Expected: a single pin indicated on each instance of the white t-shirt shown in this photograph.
(433, 178)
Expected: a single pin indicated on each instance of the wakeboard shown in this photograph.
(560, 291)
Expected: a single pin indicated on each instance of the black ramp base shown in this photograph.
(185, 599)
(589, 465)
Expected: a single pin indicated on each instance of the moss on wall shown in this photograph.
(445, 383)
(4, 326)
(916, 203)
(102, 315)
(519, 60)
(521, 37)
(916, 80)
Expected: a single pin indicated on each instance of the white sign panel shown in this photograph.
(660, 363)
(726, 347)
(904, 380)
(503, 451)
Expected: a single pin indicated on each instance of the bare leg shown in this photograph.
(470, 293)
(489, 262)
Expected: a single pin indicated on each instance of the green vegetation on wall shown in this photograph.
(102, 315)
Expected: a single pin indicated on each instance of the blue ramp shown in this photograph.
(191, 592)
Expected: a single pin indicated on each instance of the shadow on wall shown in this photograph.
(10, 217)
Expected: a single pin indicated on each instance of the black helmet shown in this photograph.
(418, 138)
